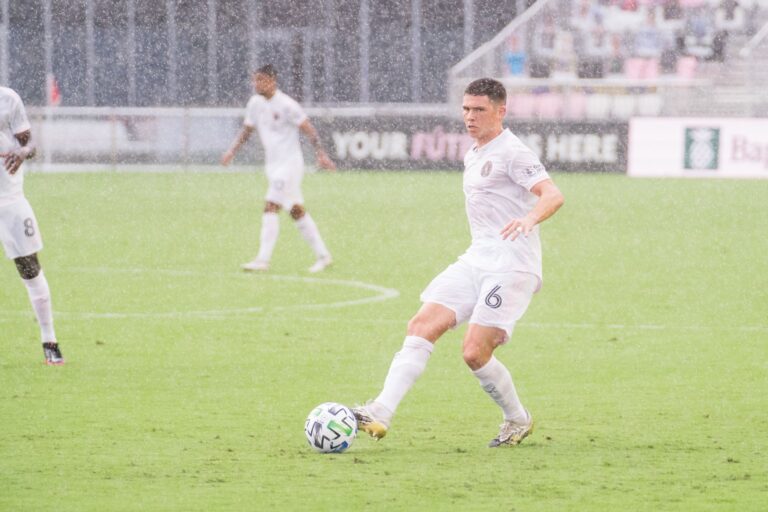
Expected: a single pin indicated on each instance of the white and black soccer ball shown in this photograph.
(330, 428)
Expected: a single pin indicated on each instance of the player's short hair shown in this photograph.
(488, 87)
(267, 69)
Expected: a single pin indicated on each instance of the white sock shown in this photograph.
(497, 382)
(270, 228)
(407, 365)
(311, 234)
(40, 297)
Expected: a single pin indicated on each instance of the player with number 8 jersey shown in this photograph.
(507, 194)
(19, 233)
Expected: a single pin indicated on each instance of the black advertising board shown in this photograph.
(430, 143)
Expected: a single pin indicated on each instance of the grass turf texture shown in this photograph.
(643, 359)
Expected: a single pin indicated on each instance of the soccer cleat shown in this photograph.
(255, 265)
(53, 355)
(367, 423)
(321, 264)
(512, 433)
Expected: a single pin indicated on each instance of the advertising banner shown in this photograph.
(431, 143)
(698, 147)
(404, 139)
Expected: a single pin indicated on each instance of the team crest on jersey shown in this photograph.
(533, 170)
(486, 169)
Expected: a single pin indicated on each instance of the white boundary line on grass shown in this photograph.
(381, 294)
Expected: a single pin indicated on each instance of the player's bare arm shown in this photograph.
(13, 159)
(550, 200)
(242, 138)
(323, 161)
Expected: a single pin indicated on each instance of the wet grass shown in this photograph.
(187, 383)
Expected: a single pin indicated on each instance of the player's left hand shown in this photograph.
(324, 162)
(517, 227)
(12, 160)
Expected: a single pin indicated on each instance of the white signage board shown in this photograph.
(698, 147)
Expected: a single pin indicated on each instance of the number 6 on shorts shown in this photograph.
(493, 299)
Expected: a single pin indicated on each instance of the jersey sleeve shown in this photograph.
(250, 112)
(296, 114)
(17, 119)
(526, 169)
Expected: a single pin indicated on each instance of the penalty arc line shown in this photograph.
(381, 294)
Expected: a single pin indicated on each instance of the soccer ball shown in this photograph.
(330, 428)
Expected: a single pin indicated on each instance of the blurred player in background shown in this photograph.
(19, 233)
(507, 194)
(279, 119)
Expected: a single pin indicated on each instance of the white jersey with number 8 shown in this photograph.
(13, 120)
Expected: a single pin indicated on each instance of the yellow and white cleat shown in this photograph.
(367, 423)
(512, 433)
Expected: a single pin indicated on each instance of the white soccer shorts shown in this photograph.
(285, 185)
(19, 233)
(490, 299)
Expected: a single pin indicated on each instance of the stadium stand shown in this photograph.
(614, 59)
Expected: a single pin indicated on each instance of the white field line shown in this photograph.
(381, 293)
(551, 325)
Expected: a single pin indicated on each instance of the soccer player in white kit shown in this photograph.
(19, 233)
(279, 119)
(507, 194)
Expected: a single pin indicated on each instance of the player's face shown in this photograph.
(482, 117)
(263, 84)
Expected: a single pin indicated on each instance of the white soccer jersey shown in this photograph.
(498, 178)
(277, 120)
(13, 120)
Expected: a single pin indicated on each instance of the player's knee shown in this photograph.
(425, 327)
(28, 266)
(297, 212)
(270, 207)
(475, 355)
(478, 350)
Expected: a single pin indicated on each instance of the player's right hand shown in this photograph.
(226, 158)
(516, 227)
(13, 159)
(324, 162)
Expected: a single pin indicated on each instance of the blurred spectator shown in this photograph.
(515, 56)
(699, 33)
(672, 10)
(729, 16)
(595, 51)
(588, 14)
(649, 40)
(544, 43)
(618, 53)
(565, 56)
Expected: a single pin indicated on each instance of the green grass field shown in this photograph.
(644, 358)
